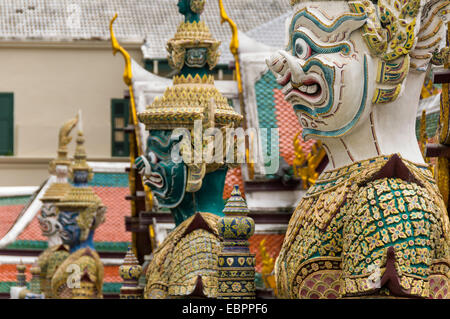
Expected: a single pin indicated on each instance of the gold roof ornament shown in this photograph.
(79, 158)
(58, 189)
(63, 140)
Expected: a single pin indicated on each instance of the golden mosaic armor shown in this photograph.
(377, 227)
(87, 284)
(49, 261)
(374, 224)
(191, 248)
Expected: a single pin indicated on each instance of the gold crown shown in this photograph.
(55, 192)
(79, 197)
(189, 99)
(192, 32)
(90, 207)
(192, 35)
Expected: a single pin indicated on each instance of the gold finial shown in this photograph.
(268, 265)
(21, 277)
(64, 139)
(305, 166)
(80, 162)
(130, 272)
(249, 159)
(234, 49)
(35, 283)
(234, 44)
(127, 74)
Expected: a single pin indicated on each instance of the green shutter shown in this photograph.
(6, 123)
(119, 119)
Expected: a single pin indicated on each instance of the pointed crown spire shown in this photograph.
(236, 205)
(81, 171)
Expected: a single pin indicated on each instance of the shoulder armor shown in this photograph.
(186, 260)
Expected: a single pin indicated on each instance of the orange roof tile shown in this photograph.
(112, 230)
(111, 274)
(8, 216)
(8, 272)
(288, 126)
(234, 176)
(273, 246)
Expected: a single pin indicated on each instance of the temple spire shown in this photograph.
(130, 272)
(81, 171)
(236, 263)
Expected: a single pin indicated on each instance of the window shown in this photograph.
(119, 120)
(6, 123)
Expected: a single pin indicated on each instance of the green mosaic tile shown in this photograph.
(111, 246)
(5, 286)
(111, 287)
(28, 245)
(41, 245)
(110, 180)
(432, 124)
(108, 287)
(265, 102)
(259, 282)
(14, 200)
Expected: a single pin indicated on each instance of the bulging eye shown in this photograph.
(152, 157)
(302, 49)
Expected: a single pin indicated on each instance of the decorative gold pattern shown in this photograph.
(352, 228)
(87, 261)
(130, 271)
(390, 34)
(198, 6)
(188, 100)
(79, 160)
(49, 261)
(55, 192)
(268, 266)
(179, 260)
(63, 140)
(236, 263)
(305, 166)
(83, 199)
(92, 211)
